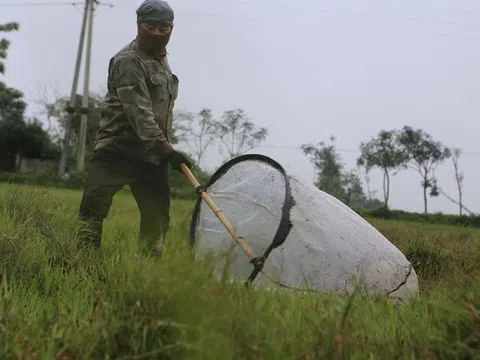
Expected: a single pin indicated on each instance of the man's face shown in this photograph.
(154, 38)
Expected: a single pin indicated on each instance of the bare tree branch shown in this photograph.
(455, 201)
(196, 131)
(238, 133)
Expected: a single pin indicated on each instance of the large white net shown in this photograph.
(329, 247)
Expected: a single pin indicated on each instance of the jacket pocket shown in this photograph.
(159, 89)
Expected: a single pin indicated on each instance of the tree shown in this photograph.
(371, 202)
(328, 166)
(12, 105)
(5, 44)
(197, 131)
(331, 178)
(178, 118)
(45, 110)
(238, 133)
(370, 193)
(27, 139)
(456, 152)
(385, 153)
(354, 195)
(37, 143)
(17, 137)
(458, 176)
(424, 155)
(11, 140)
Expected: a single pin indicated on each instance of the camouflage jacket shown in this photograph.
(137, 112)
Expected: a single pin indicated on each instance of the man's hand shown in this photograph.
(176, 158)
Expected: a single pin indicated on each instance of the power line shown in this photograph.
(356, 29)
(52, 3)
(42, 4)
(297, 9)
(355, 13)
(261, 5)
(308, 9)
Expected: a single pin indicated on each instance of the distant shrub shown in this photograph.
(180, 187)
(432, 218)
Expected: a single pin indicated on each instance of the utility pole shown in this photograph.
(71, 108)
(83, 125)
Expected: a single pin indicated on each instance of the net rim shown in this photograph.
(285, 223)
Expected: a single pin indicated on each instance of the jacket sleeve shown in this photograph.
(129, 78)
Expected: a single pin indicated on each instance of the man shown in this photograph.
(133, 144)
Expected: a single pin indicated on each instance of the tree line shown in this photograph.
(391, 151)
(18, 135)
(234, 133)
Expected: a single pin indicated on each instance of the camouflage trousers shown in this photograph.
(108, 173)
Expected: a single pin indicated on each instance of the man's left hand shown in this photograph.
(176, 158)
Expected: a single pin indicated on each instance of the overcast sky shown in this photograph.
(306, 70)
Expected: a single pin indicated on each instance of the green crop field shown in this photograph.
(60, 301)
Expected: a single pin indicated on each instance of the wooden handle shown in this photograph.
(239, 240)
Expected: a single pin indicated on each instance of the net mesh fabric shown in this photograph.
(251, 195)
(329, 246)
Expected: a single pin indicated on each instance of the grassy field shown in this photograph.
(60, 301)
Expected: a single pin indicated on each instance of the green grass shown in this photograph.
(61, 301)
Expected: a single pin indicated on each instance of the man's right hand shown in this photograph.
(175, 159)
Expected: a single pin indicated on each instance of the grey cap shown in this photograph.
(155, 12)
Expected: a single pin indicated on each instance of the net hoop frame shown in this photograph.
(285, 223)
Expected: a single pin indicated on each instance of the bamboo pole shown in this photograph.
(238, 239)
